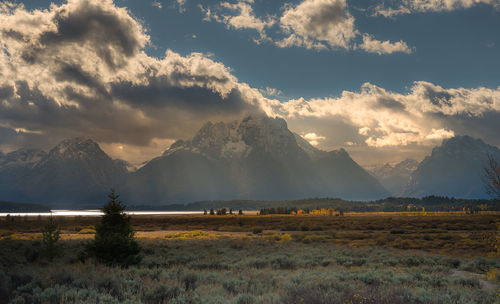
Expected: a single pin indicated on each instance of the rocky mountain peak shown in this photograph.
(461, 144)
(453, 169)
(22, 157)
(236, 139)
(409, 165)
(77, 148)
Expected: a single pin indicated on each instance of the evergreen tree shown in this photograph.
(114, 242)
(50, 237)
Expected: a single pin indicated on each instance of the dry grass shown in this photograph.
(442, 232)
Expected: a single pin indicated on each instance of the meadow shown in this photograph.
(356, 258)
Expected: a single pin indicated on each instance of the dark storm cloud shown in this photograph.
(75, 73)
(436, 96)
(6, 91)
(390, 103)
(79, 69)
(157, 94)
(87, 74)
(111, 33)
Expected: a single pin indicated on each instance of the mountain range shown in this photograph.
(74, 171)
(456, 168)
(254, 158)
(396, 177)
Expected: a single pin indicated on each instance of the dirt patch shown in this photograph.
(487, 285)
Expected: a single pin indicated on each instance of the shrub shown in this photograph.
(161, 294)
(244, 298)
(189, 280)
(86, 231)
(283, 263)
(257, 230)
(285, 238)
(109, 285)
(398, 231)
(4, 286)
(233, 286)
(290, 228)
(258, 263)
(467, 282)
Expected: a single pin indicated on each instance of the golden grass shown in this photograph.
(443, 232)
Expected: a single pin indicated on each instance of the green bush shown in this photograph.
(244, 298)
(189, 280)
(161, 294)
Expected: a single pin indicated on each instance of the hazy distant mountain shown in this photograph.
(255, 158)
(15, 169)
(453, 169)
(395, 178)
(21, 158)
(76, 170)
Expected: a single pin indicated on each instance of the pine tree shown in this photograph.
(50, 237)
(114, 242)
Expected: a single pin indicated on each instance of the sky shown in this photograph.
(386, 80)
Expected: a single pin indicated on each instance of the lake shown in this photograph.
(97, 213)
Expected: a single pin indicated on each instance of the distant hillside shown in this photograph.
(430, 203)
(456, 168)
(74, 172)
(395, 178)
(254, 158)
(6, 207)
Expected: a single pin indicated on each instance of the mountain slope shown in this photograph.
(74, 171)
(258, 158)
(395, 178)
(453, 169)
(15, 170)
(255, 158)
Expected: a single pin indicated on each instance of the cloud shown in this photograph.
(423, 6)
(440, 134)
(371, 45)
(425, 115)
(238, 16)
(313, 138)
(181, 4)
(312, 24)
(80, 69)
(268, 91)
(157, 4)
(318, 24)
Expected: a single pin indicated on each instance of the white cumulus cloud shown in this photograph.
(312, 24)
(422, 6)
(313, 138)
(371, 45)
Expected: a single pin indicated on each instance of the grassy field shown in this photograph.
(357, 258)
(447, 232)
